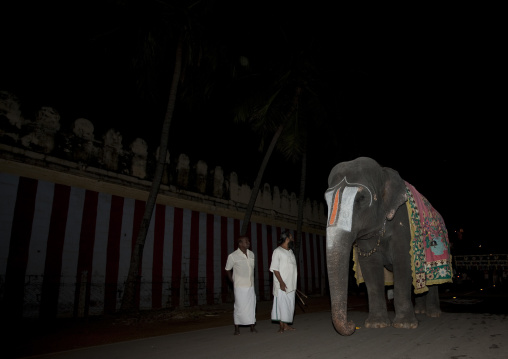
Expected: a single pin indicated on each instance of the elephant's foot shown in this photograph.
(429, 312)
(419, 308)
(377, 321)
(433, 313)
(405, 322)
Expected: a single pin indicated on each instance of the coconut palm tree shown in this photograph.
(281, 111)
(128, 300)
(164, 27)
(180, 27)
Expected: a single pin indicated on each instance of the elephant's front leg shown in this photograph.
(373, 274)
(404, 312)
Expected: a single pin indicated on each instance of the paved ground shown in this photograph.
(471, 326)
(454, 335)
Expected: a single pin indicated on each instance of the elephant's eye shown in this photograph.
(360, 198)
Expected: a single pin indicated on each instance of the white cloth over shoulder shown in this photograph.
(284, 262)
(243, 268)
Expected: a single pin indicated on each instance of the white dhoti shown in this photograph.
(245, 306)
(283, 309)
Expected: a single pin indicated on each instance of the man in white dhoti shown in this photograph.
(242, 262)
(284, 269)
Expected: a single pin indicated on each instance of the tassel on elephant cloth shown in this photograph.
(430, 247)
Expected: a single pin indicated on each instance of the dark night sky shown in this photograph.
(430, 74)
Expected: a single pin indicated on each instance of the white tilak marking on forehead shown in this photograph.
(346, 204)
(346, 208)
(359, 184)
(355, 184)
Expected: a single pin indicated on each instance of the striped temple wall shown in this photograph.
(65, 251)
(70, 207)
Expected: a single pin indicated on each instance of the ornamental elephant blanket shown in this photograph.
(430, 248)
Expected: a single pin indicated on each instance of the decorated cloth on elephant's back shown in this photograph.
(431, 261)
(430, 247)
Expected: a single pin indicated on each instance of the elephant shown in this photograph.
(391, 229)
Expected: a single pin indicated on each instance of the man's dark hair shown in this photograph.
(283, 236)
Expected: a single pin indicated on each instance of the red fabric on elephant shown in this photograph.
(430, 247)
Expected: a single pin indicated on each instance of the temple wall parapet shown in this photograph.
(42, 144)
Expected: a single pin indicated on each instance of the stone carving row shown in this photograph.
(43, 135)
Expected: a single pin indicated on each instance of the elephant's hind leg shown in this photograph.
(428, 303)
(433, 314)
(420, 304)
(433, 303)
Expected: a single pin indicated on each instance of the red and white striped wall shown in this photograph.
(65, 251)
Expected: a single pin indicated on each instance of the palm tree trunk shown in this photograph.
(301, 203)
(257, 182)
(134, 277)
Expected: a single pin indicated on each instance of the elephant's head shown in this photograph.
(361, 196)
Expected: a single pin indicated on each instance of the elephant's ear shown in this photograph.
(394, 194)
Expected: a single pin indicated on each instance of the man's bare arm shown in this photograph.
(282, 284)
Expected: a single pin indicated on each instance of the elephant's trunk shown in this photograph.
(338, 250)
